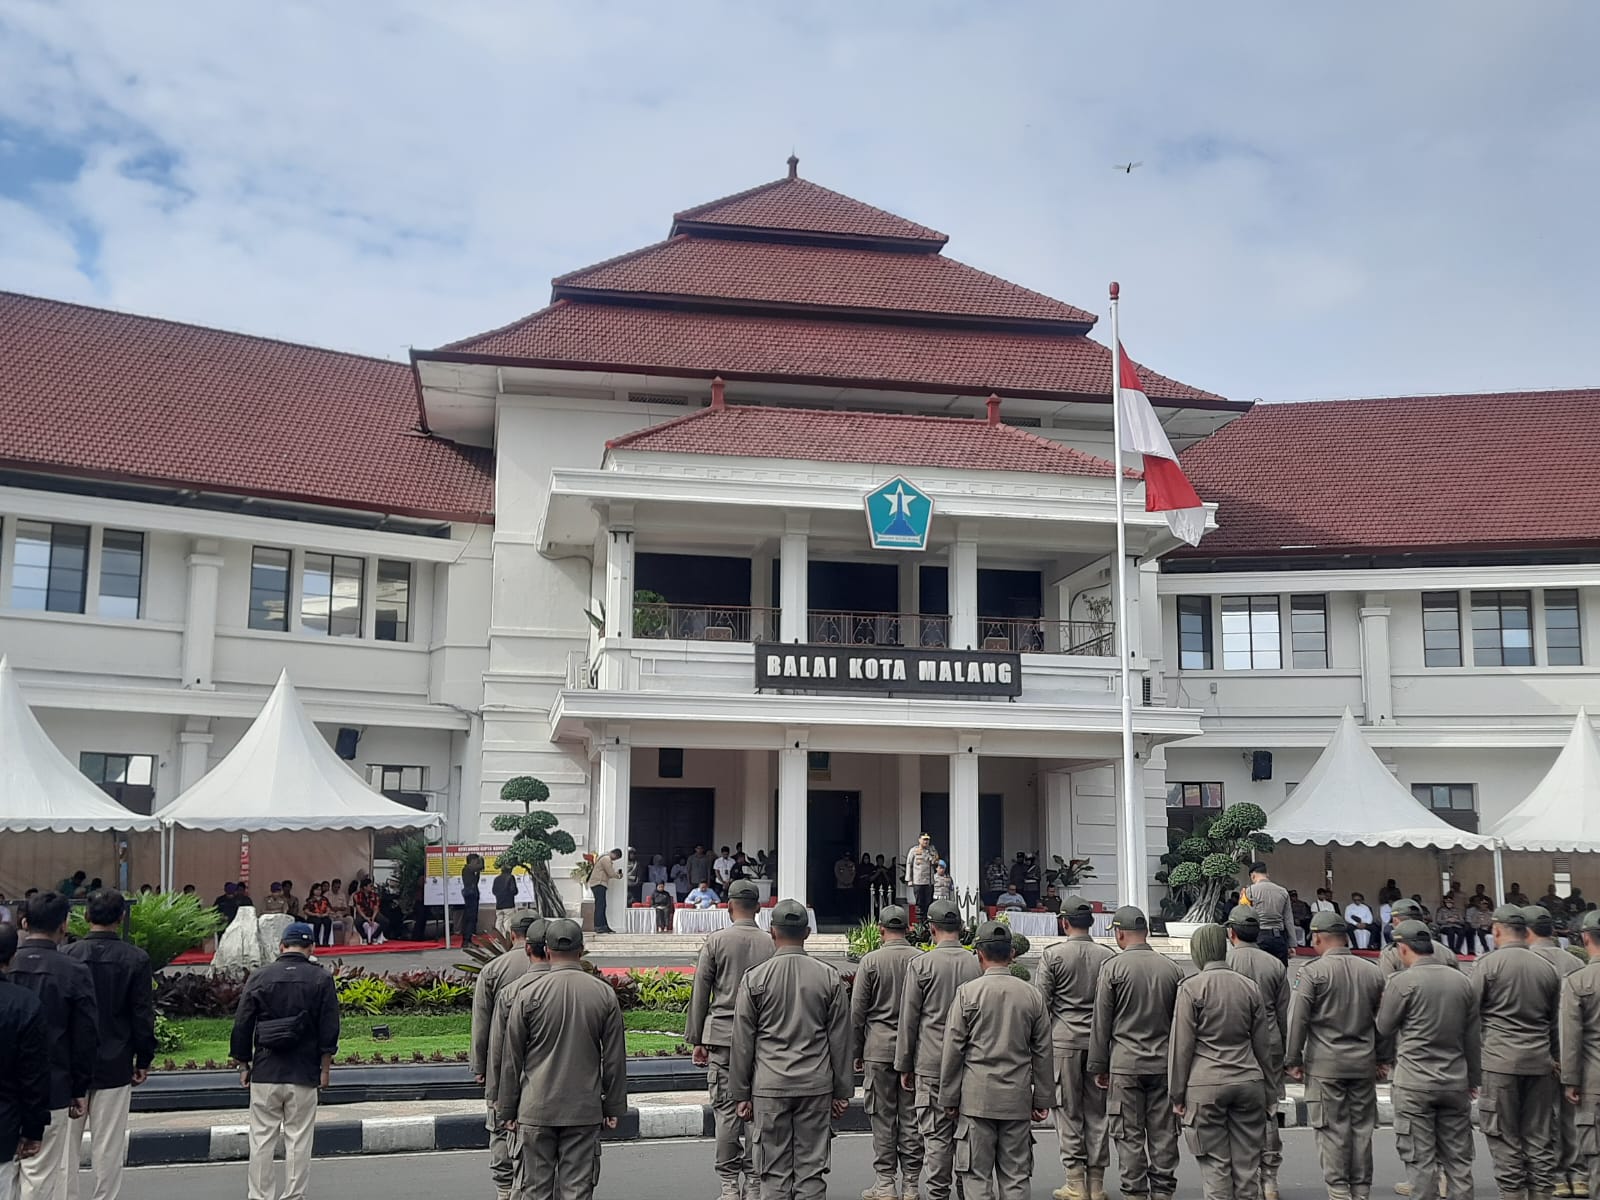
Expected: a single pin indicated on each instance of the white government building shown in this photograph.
(787, 531)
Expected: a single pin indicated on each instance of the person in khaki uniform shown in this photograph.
(1428, 1028)
(1274, 910)
(566, 1070)
(1390, 961)
(995, 1076)
(1580, 1049)
(1270, 978)
(1570, 1177)
(1067, 978)
(930, 989)
(1519, 1002)
(724, 959)
(1219, 1061)
(1128, 1041)
(537, 964)
(1330, 1044)
(496, 976)
(790, 1069)
(875, 1004)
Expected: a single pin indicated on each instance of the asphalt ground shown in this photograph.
(681, 1169)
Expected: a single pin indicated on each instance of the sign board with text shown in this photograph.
(908, 670)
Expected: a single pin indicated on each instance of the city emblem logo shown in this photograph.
(898, 516)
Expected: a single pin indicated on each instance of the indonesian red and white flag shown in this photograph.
(1167, 489)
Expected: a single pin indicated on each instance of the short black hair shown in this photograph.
(1245, 933)
(46, 912)
(1081, 920)
(106, 906)
(1258, 868)
(8, 943)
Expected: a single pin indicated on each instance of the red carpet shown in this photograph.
(194, 958)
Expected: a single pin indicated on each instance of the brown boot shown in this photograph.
(1095, 1178)
(1075, 1188)
(1580, 1187)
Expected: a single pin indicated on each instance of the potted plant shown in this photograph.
(537, 840)
(649, 614)
(1205, 865)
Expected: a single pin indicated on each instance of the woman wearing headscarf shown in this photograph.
(1218, 1064)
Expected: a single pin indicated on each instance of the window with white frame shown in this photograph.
(1252, 636)
(129, 779)
(1562, 638)
(1502, 629)
(1441, 629)
(50, 567)
(1308, 632)
(392, 615)
(1194, 633)
(269, 589)
(121, 572)
(330, 595)
(1456, 803)
(404, 785)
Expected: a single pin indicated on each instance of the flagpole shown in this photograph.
(1131, 864)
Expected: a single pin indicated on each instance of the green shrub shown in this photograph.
(861, 941)
(162, 924)
(443, 993)
(366, 994)
(169, 1035)
(662, 991)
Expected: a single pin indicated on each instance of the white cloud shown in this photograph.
(1330, 203)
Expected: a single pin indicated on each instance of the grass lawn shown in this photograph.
(447, 1034)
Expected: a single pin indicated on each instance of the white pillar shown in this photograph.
(194, 752)
(756, 828)
(792, 814)
(1055, 796)
(1377, 691)
(963, 586)
(910, 601)
(618, 595)
(910, 822)
(200, 616)
(763, 623)
(1128, 582)
(966, 869)
(614, 794)
(793, 575)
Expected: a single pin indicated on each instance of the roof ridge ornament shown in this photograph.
(794, 165)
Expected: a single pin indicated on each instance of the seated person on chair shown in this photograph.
(703, 896)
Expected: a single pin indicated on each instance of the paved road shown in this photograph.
(683, 1169)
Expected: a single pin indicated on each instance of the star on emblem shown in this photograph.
(899, 503)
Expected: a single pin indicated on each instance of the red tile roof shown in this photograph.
(890, 439)
(110, 395)
(840, 277)
(800, 206)
(665, 341)
(1513, 469)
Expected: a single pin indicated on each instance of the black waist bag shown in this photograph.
(281, 1033)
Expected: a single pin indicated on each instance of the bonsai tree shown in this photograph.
(1208, 861)
(537, 840)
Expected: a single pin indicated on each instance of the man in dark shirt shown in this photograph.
(285, 1034)
(227, 904)
(504, 888)
(66, 995)
(125, 1001)
(24, 1073)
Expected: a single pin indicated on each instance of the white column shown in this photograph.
(1377, 691)
(200, 616)
(963, 585)
(910, 822)
(793, 574)
(910, 601)
(962, 855)
(194, 752)
(1055, 796)
(792, 814)
(614, 794)
(763, 626)
(756, 829)
(619, 595)
(1129, 582)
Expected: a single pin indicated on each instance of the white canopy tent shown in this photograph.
(282, 779)
(1562, 814)
(1349, 798)
(42, 794)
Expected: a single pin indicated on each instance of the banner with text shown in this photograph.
(900, 669)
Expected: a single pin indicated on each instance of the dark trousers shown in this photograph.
(322, 927)
(469, 921)
(1276, 943)
(922, 896)
(601, 925)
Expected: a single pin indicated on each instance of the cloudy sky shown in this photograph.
(1366, 199)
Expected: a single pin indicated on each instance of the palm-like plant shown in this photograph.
(162, 924)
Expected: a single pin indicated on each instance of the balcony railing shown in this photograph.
(877, 629)
(733, 623)
(705, 623)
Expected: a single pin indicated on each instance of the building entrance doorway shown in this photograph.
(991, 830)
(833, 830)
(670, 822)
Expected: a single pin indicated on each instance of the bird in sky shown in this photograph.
(1126, 168)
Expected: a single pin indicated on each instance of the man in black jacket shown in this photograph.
(504, 888)
(65, 990)
(125, 1000)
(285, 1034)
(24, 1072)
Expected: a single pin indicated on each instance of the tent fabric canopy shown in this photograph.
(283, 775)
(1562, 814)
(40, 790)
(1349, 798)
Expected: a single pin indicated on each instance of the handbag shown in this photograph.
(281, 1033)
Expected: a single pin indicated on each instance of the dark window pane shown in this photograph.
(392, 621)
(121, 571)
(269, 589)
(49, 567)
